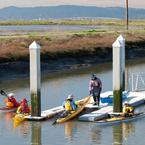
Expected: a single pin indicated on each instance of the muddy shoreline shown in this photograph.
(64, 54)
(20, 69)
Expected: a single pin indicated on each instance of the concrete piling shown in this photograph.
(117, 76)
(122, 42)
(35, 76)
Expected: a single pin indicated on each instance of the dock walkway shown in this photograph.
(134, 98)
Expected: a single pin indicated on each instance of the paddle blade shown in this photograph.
(54, 122)
(2, 92)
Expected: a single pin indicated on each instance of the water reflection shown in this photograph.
(121, 133)
(96, 135)
(70, 129)
(117, 135)
(128, 129)
(24, 129)
(36, 133)
(74, 132)
(7, 117)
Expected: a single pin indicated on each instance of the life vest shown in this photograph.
(70, 105)
(9, 104)
(128, 109)
(23, 108)
(13, 101)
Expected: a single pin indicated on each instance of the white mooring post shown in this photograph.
(35, 75)
(117, 76)
(122, 42)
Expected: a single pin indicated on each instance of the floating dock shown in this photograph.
(134, 98)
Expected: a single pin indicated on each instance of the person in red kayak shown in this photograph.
(23, 108)
(11, 101)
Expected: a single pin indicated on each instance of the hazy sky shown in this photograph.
(102, 3)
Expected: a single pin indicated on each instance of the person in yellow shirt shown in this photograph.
(127, 110)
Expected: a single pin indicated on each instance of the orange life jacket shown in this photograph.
(11, 102)
(23, 108)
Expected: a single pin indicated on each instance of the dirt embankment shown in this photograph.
(62, 53)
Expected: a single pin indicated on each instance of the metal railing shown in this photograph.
(136, 81)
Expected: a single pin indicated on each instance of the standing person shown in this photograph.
(11, 101)
(23, 108)
(95, 87)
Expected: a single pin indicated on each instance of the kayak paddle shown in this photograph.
(2, 92)
(54, 122)
(59, 116)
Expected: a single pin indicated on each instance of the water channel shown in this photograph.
(55, 87)
(27, 29)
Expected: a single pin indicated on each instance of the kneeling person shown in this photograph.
(128, 110)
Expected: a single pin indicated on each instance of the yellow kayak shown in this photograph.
(19, 118)
(81, 105)
(120, 119)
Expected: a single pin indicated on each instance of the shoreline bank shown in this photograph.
(64, 53)
(20, 69)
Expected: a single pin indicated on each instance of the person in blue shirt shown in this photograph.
(69, 103)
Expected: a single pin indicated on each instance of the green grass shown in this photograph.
(114, 22)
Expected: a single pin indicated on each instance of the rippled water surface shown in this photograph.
(54, 90)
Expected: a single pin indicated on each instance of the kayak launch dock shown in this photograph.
(134, 98)
(46, 114)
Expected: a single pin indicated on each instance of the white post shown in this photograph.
(35, 87)
(117, 76)
(122, 42)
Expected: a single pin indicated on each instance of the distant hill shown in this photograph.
(67, 11)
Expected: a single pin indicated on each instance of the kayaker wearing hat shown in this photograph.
(95, 87)
(11, 101)
(127, 109)
(23, 108)
(69, 103)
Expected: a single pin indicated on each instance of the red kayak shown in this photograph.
(8, 109)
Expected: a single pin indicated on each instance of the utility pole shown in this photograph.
(126, 14)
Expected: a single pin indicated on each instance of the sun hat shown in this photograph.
(70, 96)
(11, 94)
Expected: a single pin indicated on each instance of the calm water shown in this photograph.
(54, 89)
(28, 28)
(47, 27)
